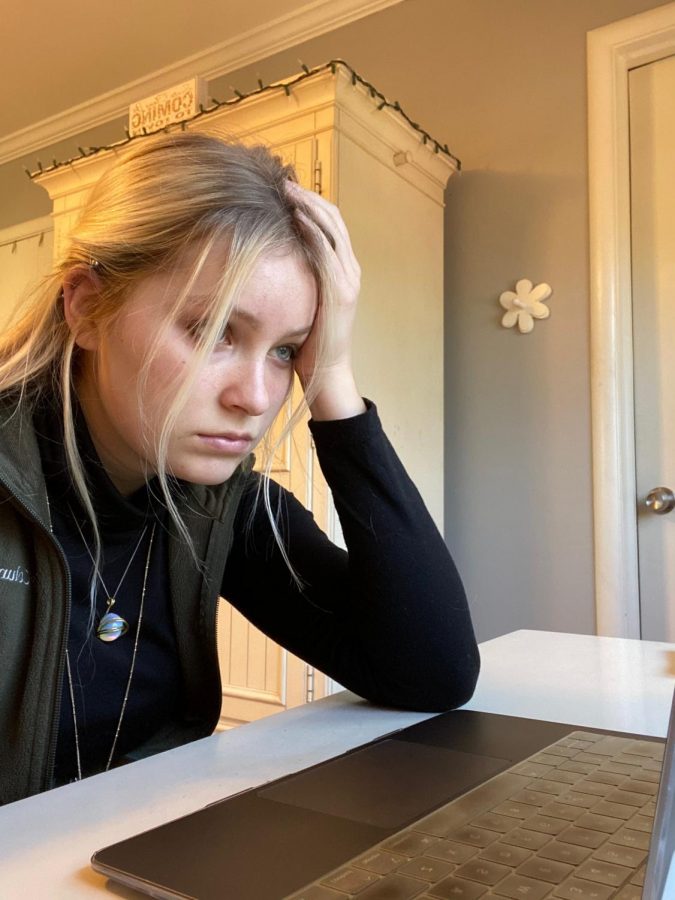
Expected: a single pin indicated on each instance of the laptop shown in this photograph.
(462, 806)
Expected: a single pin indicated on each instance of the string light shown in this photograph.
(14, 243)
(239, 97)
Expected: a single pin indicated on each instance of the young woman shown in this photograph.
(132, 393)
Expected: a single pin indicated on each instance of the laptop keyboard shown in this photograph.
(572, 822)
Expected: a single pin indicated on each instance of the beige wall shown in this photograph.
(503, 82)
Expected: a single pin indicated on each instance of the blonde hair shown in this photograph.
(164, 194)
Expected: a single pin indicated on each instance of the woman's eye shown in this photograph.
(286, 353)
(196, 331)
(223, 338)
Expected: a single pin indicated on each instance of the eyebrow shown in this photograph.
(254, 322)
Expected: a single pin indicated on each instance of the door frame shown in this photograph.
(611, 52)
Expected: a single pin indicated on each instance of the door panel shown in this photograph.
(652, 147)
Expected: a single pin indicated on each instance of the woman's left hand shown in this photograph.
(336, 395)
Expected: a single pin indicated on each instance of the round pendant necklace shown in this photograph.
(111, 626)
(131, 667)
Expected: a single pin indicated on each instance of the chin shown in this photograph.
(210, 473)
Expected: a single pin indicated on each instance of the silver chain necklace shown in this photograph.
(110, 625)
(131, 668)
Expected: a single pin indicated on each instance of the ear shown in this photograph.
(81, 287)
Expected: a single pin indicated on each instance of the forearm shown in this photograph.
(405, 592)
(389, 619)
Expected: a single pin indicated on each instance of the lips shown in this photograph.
(231, 436)
(228, 443)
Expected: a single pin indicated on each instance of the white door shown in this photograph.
(652, 150)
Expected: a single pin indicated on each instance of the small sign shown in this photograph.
(168, 107)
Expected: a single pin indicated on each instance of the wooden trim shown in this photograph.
(245, 693)
(315, 18)
(612, 52)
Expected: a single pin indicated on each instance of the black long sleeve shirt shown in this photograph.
(387, 619)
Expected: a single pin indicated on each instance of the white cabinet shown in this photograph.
(389, 186)
(25, 257)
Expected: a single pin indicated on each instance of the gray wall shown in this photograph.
(503, 82)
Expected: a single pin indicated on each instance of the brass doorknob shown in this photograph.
(660, 500)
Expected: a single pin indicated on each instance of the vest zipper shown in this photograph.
(33, 516)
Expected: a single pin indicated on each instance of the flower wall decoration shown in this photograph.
(525, 305)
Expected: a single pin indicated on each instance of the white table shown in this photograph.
(46, 841)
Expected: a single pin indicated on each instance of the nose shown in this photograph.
(244, 387)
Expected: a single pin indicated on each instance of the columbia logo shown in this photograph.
(19, 574)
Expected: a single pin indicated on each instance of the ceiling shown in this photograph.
(71, 64)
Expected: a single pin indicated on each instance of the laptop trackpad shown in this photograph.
(389, 784)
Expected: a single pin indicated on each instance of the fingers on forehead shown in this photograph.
(317, 226)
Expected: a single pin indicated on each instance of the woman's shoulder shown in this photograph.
(16, 411)
(20, 466)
